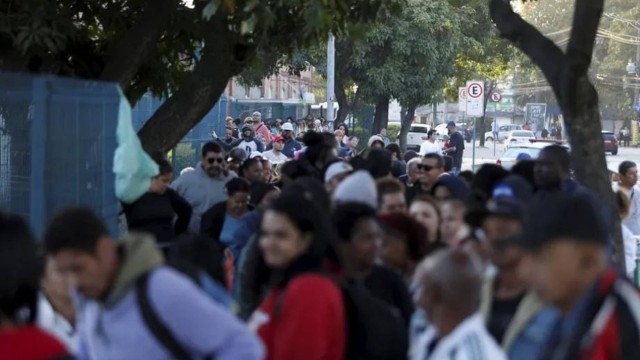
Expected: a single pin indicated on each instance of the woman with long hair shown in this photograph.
(302, 315)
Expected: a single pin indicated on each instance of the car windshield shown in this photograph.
(419, 129)
(608, 136)
(514, 151)
(522, 134)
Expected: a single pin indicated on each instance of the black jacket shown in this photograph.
(154, 213)
(213, 220)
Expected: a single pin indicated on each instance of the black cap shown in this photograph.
(507, 201)
(562, 216)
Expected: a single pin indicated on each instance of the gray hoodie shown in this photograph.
(201, 191)
(114, 328)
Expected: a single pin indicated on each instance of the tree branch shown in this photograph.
(542, 51)
(137, 43)
(200, 91)
(586, 20)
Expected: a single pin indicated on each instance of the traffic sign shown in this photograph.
(475, 98)
(496, 97)
(462, 99)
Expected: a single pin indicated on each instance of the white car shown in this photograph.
(416, 136)
(503, 132)
(533, 148)
(441, 129)
(518, 137)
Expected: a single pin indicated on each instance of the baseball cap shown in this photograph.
(451, 124)
(507, 201)
(287, 126)
(563, 216)
(255, 154)
(337, 168)
(278, 138)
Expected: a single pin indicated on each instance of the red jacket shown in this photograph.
(307, 321)
(29, 343)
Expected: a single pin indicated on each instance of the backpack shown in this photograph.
(155, 325)
(374, 330)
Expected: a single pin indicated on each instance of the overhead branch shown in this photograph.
(542, 51)
(135, 45)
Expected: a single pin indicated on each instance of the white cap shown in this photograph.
(337, 168)
(255, 154)
(287, 126)
(358, 187)
(256, 113)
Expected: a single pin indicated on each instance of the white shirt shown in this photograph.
(55, 324)
(468, 341)
(630, 246)
(633, 220)
(429, 147)
(273, 158)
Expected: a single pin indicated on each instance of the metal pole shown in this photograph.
(331, 67)
(473, 145)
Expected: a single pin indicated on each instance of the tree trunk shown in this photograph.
(578, 99)
(405, 125)
(344, 106)
(382, 114)
(197, 94)
(135, 45)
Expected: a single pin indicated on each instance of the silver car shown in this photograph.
(532, 149)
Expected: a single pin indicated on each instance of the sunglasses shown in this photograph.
(424, 167)
(217, 160)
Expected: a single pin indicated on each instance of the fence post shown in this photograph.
(37, 201)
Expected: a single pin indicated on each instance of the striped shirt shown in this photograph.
(468, 341)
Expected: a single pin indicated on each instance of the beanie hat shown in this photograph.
(359, 187)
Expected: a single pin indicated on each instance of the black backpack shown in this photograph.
(374, 330)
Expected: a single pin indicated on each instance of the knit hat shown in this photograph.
(373, 139)
(335, 169)
(359, 187)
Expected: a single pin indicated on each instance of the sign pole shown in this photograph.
(473, 145)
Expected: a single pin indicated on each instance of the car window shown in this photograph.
(522, 134)
(504, 128)
(608, 137)
(419, 129)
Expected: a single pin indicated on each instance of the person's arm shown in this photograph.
(183, 211)
(202, 326)
(312, 308)
(259, 145)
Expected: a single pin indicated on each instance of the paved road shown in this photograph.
(486, 155)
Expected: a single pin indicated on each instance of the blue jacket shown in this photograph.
(290, 146)
(114, 329)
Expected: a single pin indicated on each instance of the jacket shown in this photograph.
(31, 343)
(290, 147)
(263, 134)
(113, 328)
(154, 213)
(528, 331)
(248, 225)
(603, 325)
(468, 341)
(305, 320)
(201, 191)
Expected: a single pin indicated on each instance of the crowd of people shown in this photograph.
(338, 254)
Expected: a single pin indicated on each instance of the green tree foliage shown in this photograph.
(185, 53)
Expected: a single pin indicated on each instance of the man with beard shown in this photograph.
(290, 145)
(204, 187)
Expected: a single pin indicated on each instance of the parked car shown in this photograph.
(441, 129)
(518, 137)
(610, 142)
(503, 132)
(532, 148)
(416, 136)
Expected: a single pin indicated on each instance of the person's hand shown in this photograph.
(214, 135)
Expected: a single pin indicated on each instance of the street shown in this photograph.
(488, 155)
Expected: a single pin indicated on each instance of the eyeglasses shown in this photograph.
(424, 167)
(217, 160)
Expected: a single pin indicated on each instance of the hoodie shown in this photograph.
(201, 191)
(113, 328)
(249, 144)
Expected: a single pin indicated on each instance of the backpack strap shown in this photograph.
(155, 324)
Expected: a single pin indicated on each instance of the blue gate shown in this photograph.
(57, 139)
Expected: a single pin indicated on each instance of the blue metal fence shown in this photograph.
(57, 139)
(186, 153)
